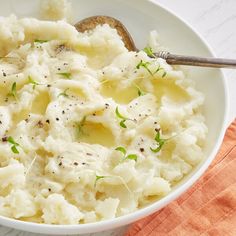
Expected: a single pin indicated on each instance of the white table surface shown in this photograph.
(216, 21)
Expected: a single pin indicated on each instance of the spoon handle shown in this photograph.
(196, 61)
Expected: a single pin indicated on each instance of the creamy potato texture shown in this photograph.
(89, 131)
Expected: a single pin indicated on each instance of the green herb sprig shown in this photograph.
(40, 41)
(64, 94)
(149, 52)
(80, 125)
(123, 118)
(66, 75)
(98, 177)
(14, 145)
(146, 65)
(160, 142)
(33, 82)
(160, 69)
(104, 81)
(13, 91)
(124, 152)
(140, 91)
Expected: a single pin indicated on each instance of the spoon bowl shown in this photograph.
(91, 22)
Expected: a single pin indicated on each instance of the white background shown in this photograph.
(216, 21)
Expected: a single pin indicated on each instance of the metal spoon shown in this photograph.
(173, 59)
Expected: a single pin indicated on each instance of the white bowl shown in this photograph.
(140, 17)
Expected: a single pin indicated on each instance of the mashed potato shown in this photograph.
(89, 131)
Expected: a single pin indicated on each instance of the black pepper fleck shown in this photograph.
(60, 48)
(60, 164)
(141, 149)
(89, 154)
(4, 139)
(48, 121)
(4, 74)
(63, 112)
(49, 190)
(76, 163)
(57, 119)
(40, 124)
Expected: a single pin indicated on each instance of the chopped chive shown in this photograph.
(160, 142)
(123, 118)
(122, 124)
(80, 125)
(40, 41)
(98, 177)
(130, 156)
(14, 149)
(145, 66)
(149, 51)
(159, 69)
(64, 93)
(119, 115)
(164, 74)
(140, 91)
(14, 145)
(66, 75)
(31, 81)
(13, 91)
(121, 149)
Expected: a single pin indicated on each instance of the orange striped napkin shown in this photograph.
(208, 208)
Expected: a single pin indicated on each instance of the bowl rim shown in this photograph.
(150, 209)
